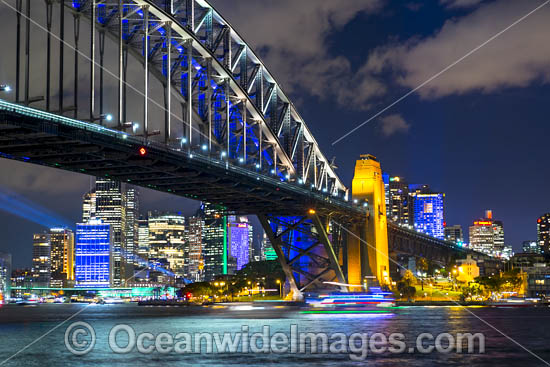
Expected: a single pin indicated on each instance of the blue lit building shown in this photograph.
(93, 254)
(428, 214)
(239, 243)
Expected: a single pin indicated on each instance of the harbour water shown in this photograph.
(23, 325)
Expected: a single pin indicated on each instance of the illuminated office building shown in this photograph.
(194, 239)
(131, 204)
(143, 238)
(428, 214)
(110, 208)
(399, 203)
(167, 241)
(5, 277)
(215, 252)
(268, 252)
(543, 233)
(88, 206)
(454, 234)
(62, 257)
(239, 241)
(93, 254)
(487, 236)
(41, 259)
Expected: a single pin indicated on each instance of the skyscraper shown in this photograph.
(5, 277)
(167, 241)
(62, 256)
(110, 208)
(543, 233)
(143, 238)
(88, 206)
(215, 241)
(454, 234)
(93, 254)
(194, 239)
(487, 235)
(239, 241)
(428, 214)
(399, 200)
(131, 227)
(41, 259)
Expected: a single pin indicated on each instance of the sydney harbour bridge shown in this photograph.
(226, 132)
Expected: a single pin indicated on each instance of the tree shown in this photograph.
(422, 265)
(199, 289)
(406, 285)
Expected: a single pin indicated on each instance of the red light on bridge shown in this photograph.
(142, 151)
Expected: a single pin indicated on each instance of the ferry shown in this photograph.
(375, 298)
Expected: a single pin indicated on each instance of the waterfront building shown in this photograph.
(41, 259)
(62, 257)
(94, 258)
(543, 233)
(428, 213)
(5, 277)
(88, 206)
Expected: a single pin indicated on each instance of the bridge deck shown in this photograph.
(34, 136)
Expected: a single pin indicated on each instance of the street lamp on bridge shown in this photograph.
(5, 88)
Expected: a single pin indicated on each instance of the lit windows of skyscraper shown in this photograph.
(5, 277)
(268, 250)
(62, 256)
(215, 241)
(543, 233)
(143, 238)
(167, 241)
(111, 210)
(399, 200)
(487, 235)
(93, 254)
(41, 259)
(428, 214)
(239, 241)
(88, 206)
(194, 238)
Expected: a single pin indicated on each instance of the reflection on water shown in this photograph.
(20, 326)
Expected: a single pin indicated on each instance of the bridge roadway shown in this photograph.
(39, 137)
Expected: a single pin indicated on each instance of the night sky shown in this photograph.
(479, 132)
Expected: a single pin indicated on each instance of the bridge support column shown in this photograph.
(305, 251)
(368, 187)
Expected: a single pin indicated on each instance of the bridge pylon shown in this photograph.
(369, 257)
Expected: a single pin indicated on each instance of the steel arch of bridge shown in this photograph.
(231, 104)
(232, 110)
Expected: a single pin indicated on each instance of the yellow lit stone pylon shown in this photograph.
(363, 260)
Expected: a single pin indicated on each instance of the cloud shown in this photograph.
(292, 39)
(518, 58)
(454, 4)
(393, 124)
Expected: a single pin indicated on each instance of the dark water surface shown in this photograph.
(21, 325)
